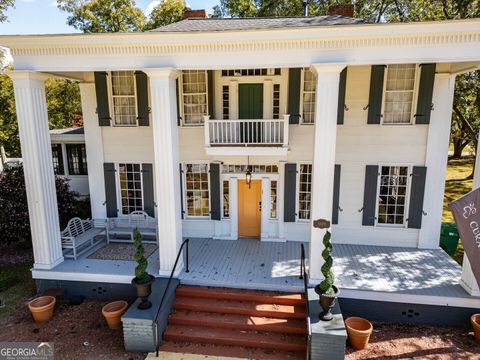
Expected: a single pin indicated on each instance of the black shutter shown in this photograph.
(110, 189)
(417, 191)
(181, 193)
(294, 82)
(211, 94)
(342, 86)
(376, 92)
(101, 91)
(289, 192)
(425, 93)
(148, 197)
(336, 194)
(215, 191)
(177, 90)
(370, 195)
(142, 98)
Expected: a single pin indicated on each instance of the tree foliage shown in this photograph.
(4, 5)
(167, 12)
(100, 16)
(141, 275)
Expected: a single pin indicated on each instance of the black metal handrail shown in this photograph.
(304, 276)
(184, 243)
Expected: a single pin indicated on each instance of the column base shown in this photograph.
(38, 266)
(166, 273)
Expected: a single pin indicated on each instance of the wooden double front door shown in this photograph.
(249, 208)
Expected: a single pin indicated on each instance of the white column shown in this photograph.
(94, 149)
(281, 200)
(31, 106)
(233, 207)
(265, 214)
(325, 133)
(165, 141)
(468, 280)
(436, 160)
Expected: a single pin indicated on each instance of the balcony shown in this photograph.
(267, 137)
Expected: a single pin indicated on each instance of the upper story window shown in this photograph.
(197, 191)
(399, 93)
(304, 191)
(308, 97)
(124, 98)
(195, 98)
(77, 159)
(269, 169)
(392, 195)
(252, 72)
(130, 183)
(57, 157)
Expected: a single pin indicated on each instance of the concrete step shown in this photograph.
(237, 321)
(240, 307)
(220, 336)
(266, 297)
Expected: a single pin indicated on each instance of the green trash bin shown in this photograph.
(449, 238)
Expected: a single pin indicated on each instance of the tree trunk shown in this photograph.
(458, 146)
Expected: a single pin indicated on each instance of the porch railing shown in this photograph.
(254, 132)
(304, 276)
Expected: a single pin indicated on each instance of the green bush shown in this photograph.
(141, 274)
(326, 286)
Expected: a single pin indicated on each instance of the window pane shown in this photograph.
(197, 193)
(400, 87)
(130, 190)
(392, 195)
(273, 199)
(57, 157)
(309, 87)
(123, 93)
(77, 159)
(194, 96)
(304, 194)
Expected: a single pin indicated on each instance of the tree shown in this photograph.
(4, 5)
(100, 16)
(167, 12)
(8, 118)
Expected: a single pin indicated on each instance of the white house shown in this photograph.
(331, 117)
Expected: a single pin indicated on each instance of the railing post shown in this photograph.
(286, 121)
(186, 253)
(206, 127)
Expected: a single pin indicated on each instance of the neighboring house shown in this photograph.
(330, 118)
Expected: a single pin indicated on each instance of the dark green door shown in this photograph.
(250, 106)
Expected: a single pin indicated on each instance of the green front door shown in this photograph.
(250, 106)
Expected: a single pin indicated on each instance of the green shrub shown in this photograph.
(141, 274)
(326, 286)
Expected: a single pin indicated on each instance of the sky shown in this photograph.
(43, 16)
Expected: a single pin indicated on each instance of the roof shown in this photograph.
(220, 24)
(67, 131)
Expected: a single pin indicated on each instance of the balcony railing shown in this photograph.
(256, 132)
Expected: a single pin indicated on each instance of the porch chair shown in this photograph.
(121, 229)
(79, 236)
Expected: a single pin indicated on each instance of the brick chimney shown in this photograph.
(192, 14)
(341, 9)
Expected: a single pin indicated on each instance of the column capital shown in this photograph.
(328, 68)
(27, 75)
(161, 72)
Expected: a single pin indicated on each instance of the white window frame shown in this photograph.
(182, 100)
(119, 189)
(270, 197)
(184, 188)
(297, 193)
(302, 94)
(112, 104)
(222, 193)
(414, 97)
(409, 167)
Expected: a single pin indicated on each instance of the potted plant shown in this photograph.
(327, 291)
(142, 280)
(112, 312)
(42, 308)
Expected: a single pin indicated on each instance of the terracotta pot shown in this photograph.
(359, 331)
(42, 308)
(112, 312)
(475, 320)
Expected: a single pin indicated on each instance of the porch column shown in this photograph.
(468, 281)
(233, 207)
(436, 160)
(325, 133)
(167, 186)
(31, 106)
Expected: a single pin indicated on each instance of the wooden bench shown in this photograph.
(121, 229)
(80, 236)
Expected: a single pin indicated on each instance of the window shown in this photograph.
(226, 102)
(399, 94)
(196, 179)
(392, 195)
(77, 159)
(195, 100)
(273, 199)
(304, 191)
(130, 179)
(124, 98)
(57, 157)
(309, 87)
(226, 190)
(268, 169)
(276, 101)
(251, 72)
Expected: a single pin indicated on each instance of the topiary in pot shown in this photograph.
(327, 291)
(142, 280)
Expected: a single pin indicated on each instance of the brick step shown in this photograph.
(219, 336)
(240, 307)
(225, 351)
(266, 297)
(237, 321)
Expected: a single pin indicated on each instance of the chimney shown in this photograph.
(341, 9)
(195, 14)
